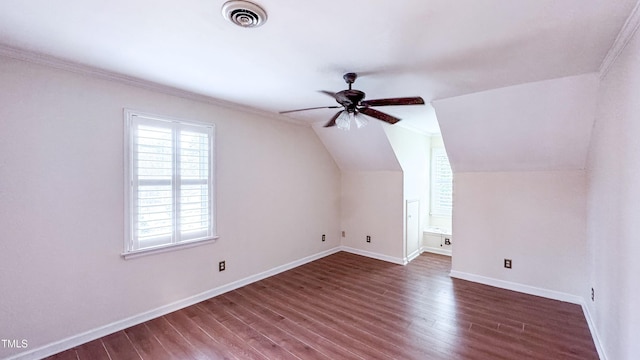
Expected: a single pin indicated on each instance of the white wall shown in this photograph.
(412, 150)
(518, 155)
(537, 219)
(61, 203)
(372, 204)
(373, 189)
(614, 208)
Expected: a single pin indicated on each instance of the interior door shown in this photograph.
(413, 229)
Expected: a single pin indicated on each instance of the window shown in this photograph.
(441, 183)
(169, 183)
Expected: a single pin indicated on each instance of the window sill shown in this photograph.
(166, 248)
(436, 231)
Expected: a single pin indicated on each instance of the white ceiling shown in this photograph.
(434, 49)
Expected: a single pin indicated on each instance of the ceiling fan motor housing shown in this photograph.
(349, 98)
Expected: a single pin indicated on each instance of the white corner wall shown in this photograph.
(518, 154)
(372, 193)
(413, 152)
(61, 203)
(614, 207)
(372, 204)
(537, 219)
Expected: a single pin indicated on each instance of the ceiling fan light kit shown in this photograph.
(353, 104)
(244, 13)
(360, 121)
(343, 122)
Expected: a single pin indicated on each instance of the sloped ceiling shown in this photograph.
(365, 149)
(536, 126)
(434, 48)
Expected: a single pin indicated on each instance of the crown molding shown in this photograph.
(624, 36)
(78, 68)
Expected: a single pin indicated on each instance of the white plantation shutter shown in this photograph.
(195, 187)
(441, 183)
(170, 180)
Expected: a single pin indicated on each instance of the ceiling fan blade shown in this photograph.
(379, 115)
(394, 101)
(330, 93)
(332, 122)
(313, 108)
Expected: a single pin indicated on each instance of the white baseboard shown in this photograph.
(412, 256)
(387, 258)
(76, 340)
(532, 290)
(527, 289)
(594, 331)
(435, 250)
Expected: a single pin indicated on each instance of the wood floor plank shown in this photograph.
(315, 324)
(214, 329)
(172, 341)
(327, 347)
(249, 335)
(65, 355)
(210, 347)
(393, 344)
(346, 306)
(286, 341)
(146, 343)
(119, 346)
(93, 350)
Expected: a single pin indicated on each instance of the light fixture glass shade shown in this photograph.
(360, 121)
(343, 122)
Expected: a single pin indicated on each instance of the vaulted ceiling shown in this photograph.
(433, 48)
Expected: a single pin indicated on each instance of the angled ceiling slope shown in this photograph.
(543, 125)
(365, 149)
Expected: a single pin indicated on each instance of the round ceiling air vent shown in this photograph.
(244, 13)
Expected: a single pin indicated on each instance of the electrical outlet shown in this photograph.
(368, 238)
(507, 263)
(447, 241)
(593, 295)
(222, 266)
(324, 237)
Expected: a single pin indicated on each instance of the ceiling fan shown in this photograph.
(353, 103)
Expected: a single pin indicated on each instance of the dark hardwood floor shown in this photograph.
(346, 306)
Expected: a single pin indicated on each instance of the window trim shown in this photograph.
(128, 253)
(166, 248)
